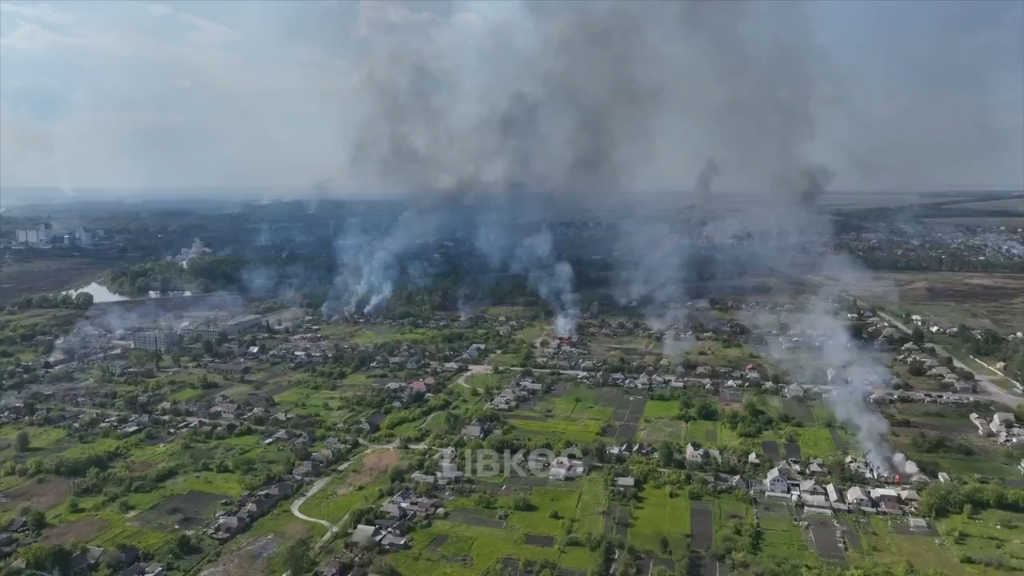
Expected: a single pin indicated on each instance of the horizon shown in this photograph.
(905, 96)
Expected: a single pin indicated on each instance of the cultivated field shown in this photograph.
(47, 276)
(978, 300)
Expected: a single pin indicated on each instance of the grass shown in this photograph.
(702, 431)
(817, 443)
(661, 515)
(212, 482)
(546, 499)
(657, 430)
(491, 382)
(661, 409)
(593, 502)
(782, 538)
(40, 438)
(488, 546)
(582, 430)
(186, 394)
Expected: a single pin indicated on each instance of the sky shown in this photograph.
(914, 95)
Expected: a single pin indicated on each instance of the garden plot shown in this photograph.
(782, 537)
(771, 450)
(182, 511)
(616, 522)
(482, 518)
(852, 537)
(84, 530)
(626, 415)
(702, 431)
(43, 495)
(824, 538)
(541, 541)
(915, 527)
(838, 440)
(793, 451)
(798, 410)
(702, 525)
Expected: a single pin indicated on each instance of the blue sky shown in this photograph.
(207, 93)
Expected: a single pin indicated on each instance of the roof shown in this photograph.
(363, 534)
(628, 481)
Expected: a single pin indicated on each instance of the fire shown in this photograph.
(897, 478)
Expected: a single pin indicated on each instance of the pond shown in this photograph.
(101, 294)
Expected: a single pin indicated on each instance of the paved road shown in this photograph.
(991, 389)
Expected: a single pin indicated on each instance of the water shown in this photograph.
(100, 293)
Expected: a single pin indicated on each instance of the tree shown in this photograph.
(83, 300)
(917, 335)
(297, 557)
(36, 520)
(22, 441)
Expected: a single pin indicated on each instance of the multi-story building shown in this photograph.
(189, 330)
(242, 324)
(159, 341)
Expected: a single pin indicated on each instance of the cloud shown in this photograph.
(160, 10)
(41, 12)
(207, 31)
(204, 31)
(35, 38)
(287, 92)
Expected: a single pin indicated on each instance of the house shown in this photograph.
(887, 498)
(228, 527)
(364, 535)
(739, 483)
(776, 482)
(814, 500)
(857, 496)
(794, 391)
(811, 487)
(753, 459)
(1002, 421)
(393, 542)
(694, 454)
(910, 497)
(126, 556)
(563, 468)
(86, 560)
(372, 422)
(834, 495)
(625, 483)
(307, 469)
(962, 387)
(944, 478)
(474, 430)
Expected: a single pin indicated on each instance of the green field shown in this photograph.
(702, 431)
(593, 502)
(657, 515)
(661, 409)
(817, 442)
(657, 430)
(581, 430)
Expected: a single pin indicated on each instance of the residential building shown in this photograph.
(158, 341)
